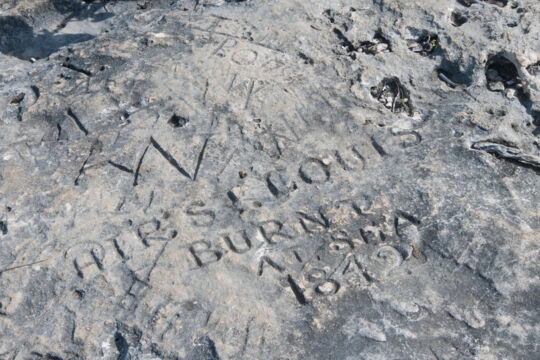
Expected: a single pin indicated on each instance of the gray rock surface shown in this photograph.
(283, 179)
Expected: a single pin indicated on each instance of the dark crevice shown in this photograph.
(330, 15)
(78, 69)
(379, 44)
(307, 60)
(467, 3)
(122, 346)
(499, 3)
(425, 45)
(501, 73)
(177, 121)
(232, 197)
(59, 128)
(346, 43)
(458, 19)
(393, 95)
(19, 113)
(3, 227)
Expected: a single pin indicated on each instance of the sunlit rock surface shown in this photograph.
(217, 179)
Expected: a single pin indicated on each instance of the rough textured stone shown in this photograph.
(280, 179)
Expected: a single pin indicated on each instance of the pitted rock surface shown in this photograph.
(280, 179)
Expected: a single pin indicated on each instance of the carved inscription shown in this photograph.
(363, 254)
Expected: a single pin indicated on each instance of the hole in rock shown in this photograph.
(458, 18)
(392, 95)
(177, 121)
(501, 73)
(379, 44)
(425, 45)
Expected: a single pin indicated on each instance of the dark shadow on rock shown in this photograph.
(18, 39)
(67, 6)
(81, 10)
(457, 75)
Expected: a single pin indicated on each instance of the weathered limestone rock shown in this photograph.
(269, 179)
